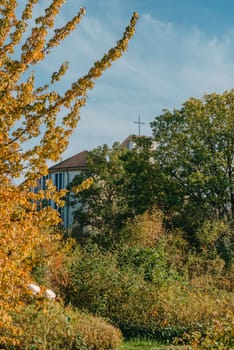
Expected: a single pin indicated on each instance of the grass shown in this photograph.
(138, 344)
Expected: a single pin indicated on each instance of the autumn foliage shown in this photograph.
(29, 111)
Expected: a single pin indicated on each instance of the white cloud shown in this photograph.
(166, 64)
(164, 27)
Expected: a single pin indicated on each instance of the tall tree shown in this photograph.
(102, 208)
(196, 155)
(143, 176)
(125, 184)
(29, 111)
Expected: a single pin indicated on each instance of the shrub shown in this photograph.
(48, 325)
(149, 262)
(153, 286)
(219, 336)
(144, 230)
(51, 263)
(215, 238)
(169, 311)
(139, 293)
(97, 333)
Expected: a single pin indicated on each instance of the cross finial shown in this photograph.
(139, 124)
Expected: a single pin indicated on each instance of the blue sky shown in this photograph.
(181, 48)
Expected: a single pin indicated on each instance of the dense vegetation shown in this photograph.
(155, 229)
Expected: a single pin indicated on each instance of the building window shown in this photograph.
(59, 181)
(44, 182)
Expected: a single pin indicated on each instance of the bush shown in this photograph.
(219, 336)
(48, 325)
(97, 333)
(150, 285)
(149, 262)
(169, 311)
(144, 230)
(216, 238)
(138, 292)
(98, 285)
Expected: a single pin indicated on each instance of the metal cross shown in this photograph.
(139, 125)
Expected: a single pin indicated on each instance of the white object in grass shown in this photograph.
(34, 288)
(50, 294)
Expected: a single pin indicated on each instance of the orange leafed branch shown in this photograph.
(30, 112)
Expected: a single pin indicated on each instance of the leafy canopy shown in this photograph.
(125, 184)
(186, 170)
(196, 156)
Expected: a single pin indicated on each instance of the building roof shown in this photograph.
(79, 160)
(127, 140)
(76, 162)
